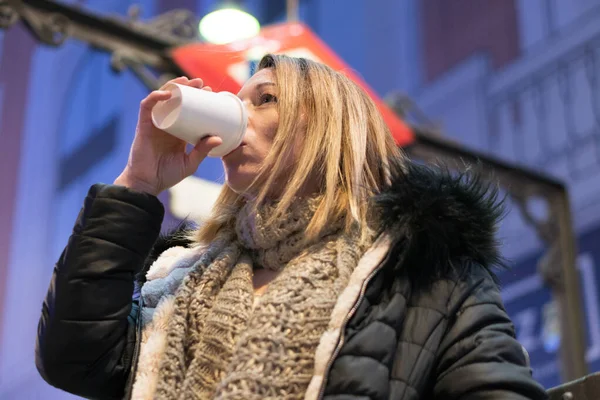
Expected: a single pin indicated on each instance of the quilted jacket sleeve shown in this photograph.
(86, 333)
(479, 357)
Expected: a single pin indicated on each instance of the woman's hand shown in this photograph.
(158, 160)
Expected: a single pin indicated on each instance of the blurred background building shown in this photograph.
(519, 79)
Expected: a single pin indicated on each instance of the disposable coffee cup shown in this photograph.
(191, 114)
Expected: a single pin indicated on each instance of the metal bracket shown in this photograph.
(52, 23)
(8, 15)
(180, 25)
(52, 30)
(549, 265)
(120, 62)
(546, 230)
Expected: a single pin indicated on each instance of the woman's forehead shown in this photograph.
(261, 78)
(264, 75)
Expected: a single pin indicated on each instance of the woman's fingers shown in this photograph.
(196, 82)
(154, 97)
(183, 80)
(201, 150)
(208, 88)
(208, 143)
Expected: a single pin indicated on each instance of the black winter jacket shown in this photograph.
(430, 323)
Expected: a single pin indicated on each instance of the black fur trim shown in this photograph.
(443, 223)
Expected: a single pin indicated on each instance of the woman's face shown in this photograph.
(259, 95)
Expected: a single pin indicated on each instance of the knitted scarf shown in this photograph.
(218, 346)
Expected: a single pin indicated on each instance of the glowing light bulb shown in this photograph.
(227, 25)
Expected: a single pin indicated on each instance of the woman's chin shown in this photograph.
(239, 183)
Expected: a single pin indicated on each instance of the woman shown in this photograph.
(331, 267)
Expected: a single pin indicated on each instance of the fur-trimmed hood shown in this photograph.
(441, 222)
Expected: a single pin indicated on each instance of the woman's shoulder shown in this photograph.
(463, 286)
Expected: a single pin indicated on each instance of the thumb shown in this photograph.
(201, 150)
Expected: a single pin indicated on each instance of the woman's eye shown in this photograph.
(267, 98)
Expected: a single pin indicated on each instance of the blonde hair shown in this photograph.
(346, 147)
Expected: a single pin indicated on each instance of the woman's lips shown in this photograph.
(237, 148)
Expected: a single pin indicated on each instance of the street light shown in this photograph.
(227, 24)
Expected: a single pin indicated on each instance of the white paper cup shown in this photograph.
(191, 114)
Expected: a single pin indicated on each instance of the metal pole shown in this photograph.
(573, 343)
(292, 11)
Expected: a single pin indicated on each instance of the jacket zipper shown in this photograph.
(136, 350)
(138, 343)
(340, 342)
